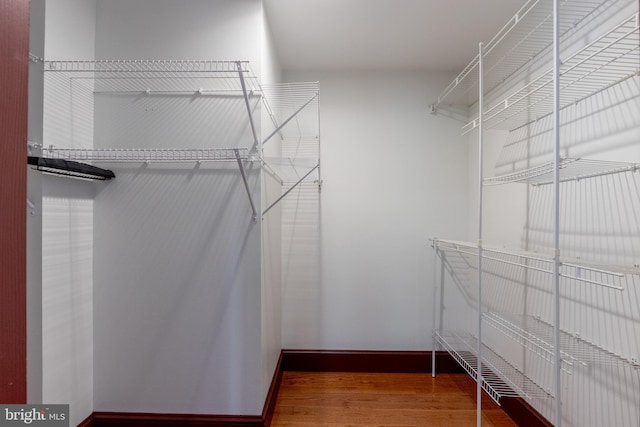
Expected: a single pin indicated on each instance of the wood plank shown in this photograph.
(335, 399)
(14, 70)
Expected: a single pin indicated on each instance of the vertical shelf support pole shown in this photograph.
(480, 249)
(434, 308)
(246, 184)
(319, 141)
(246, 101)
(556, 219)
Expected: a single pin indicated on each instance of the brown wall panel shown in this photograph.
(14, 69)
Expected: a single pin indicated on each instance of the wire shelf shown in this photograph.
(526, 37)
(610, 277)
(500, 378)
(571, 169)
(144, 66)
(537, 335)
(150, 77)
(148, 155)
(609, 60)
(528, 340)
(295, 103)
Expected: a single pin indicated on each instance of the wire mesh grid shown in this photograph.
(149, 155)
(151, 105)
(571, 169)
(294, 111)
(611, 277)
(500, 378)
(575, 351)
(612, 58)
(295, 105)
(525, 38)
(159, 76)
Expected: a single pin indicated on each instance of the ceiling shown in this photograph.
(383, 34)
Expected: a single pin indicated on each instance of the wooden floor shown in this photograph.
(356, 399)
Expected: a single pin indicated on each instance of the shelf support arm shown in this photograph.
(290, 189)
(283, 124)
(246, 101)
(246, 184)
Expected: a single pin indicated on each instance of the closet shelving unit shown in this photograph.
(538, 46)
(73, 86)
(295, 111)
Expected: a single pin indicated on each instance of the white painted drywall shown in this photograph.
(67, 233)
(271, 226)
(178, 301)
(170, 29)
(357, 264)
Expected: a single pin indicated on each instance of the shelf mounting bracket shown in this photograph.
(290, 189)
(283, 124)
(248, 105)
(246, 184)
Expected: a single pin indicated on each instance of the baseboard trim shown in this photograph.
(367, 361)
(137, 419)
(87, 422)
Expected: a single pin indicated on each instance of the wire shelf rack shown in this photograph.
(609, 60)
(536, 334)
(610, 277)
(148, 154)
(525, 38)
(571, 169)
(149, 77)
(500, 378)
(295, 103)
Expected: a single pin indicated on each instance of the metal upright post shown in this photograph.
(480, 250)
(434, 309)
(556, 219)
(243, 85)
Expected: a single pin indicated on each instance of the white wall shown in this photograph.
(169, 29)
(357, 265)
(271, 226)
(178, 301)
(34, 213)
(67, 235)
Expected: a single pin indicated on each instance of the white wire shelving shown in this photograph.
(199, 77)
(572, 270)
(605, 62)
(500, 378)
(525, 38)
(552, 55)
(536, 335)
(294, 109)
(148, 155)
(571, 169)
(74, 85)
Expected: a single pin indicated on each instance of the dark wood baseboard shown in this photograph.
(367, 361)
(317, 361)
(522, 413)
(125, 419)
(137, 419)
